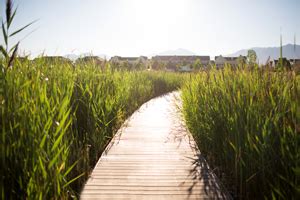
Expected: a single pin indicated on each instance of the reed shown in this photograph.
(56, 120)
(57, 117)
(246, 123)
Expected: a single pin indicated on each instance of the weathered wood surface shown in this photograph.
(153, 157)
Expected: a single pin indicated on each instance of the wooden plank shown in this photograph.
(144, 191)
(147, 181)
(153, 157)
(147, 197)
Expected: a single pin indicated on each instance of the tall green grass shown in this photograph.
(56, 120)
(246, 123)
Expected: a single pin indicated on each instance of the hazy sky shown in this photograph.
(145, 27)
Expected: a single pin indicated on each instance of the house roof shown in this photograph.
(284, 59)
(230, 58)
(128, 58)
(53, 58)
(296, 60)
(89, 58)
(93, 57)
(181, 58)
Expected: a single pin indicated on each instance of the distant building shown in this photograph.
(185, 69)
(130, 60)
(269, 64)
(22, 58)
(212, 63)
(129, 63)
(295, 63)
(173, 62)
(221, 61)
(90, 59)
(53, 60)
(285, 63)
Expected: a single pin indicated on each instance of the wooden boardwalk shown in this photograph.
(153, 157)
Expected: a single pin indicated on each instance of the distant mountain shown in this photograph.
(177, 52)
(263, 53)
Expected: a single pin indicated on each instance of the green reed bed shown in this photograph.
(246, 123)
(57, 118)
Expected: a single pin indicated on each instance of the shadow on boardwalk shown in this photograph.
(200, 172)
(211, 184)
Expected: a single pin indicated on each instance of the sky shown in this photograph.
(147, 27)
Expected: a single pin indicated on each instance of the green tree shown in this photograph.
(251, 57)
(241, 61)
(139, 65)
(126, 65)
(197, 65)
(161, 65)
(154, 65)
(184, 62)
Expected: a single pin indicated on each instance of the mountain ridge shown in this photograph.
(263, 53)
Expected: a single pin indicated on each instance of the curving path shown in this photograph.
(153, 157)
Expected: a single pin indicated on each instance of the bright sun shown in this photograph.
(157, 11)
